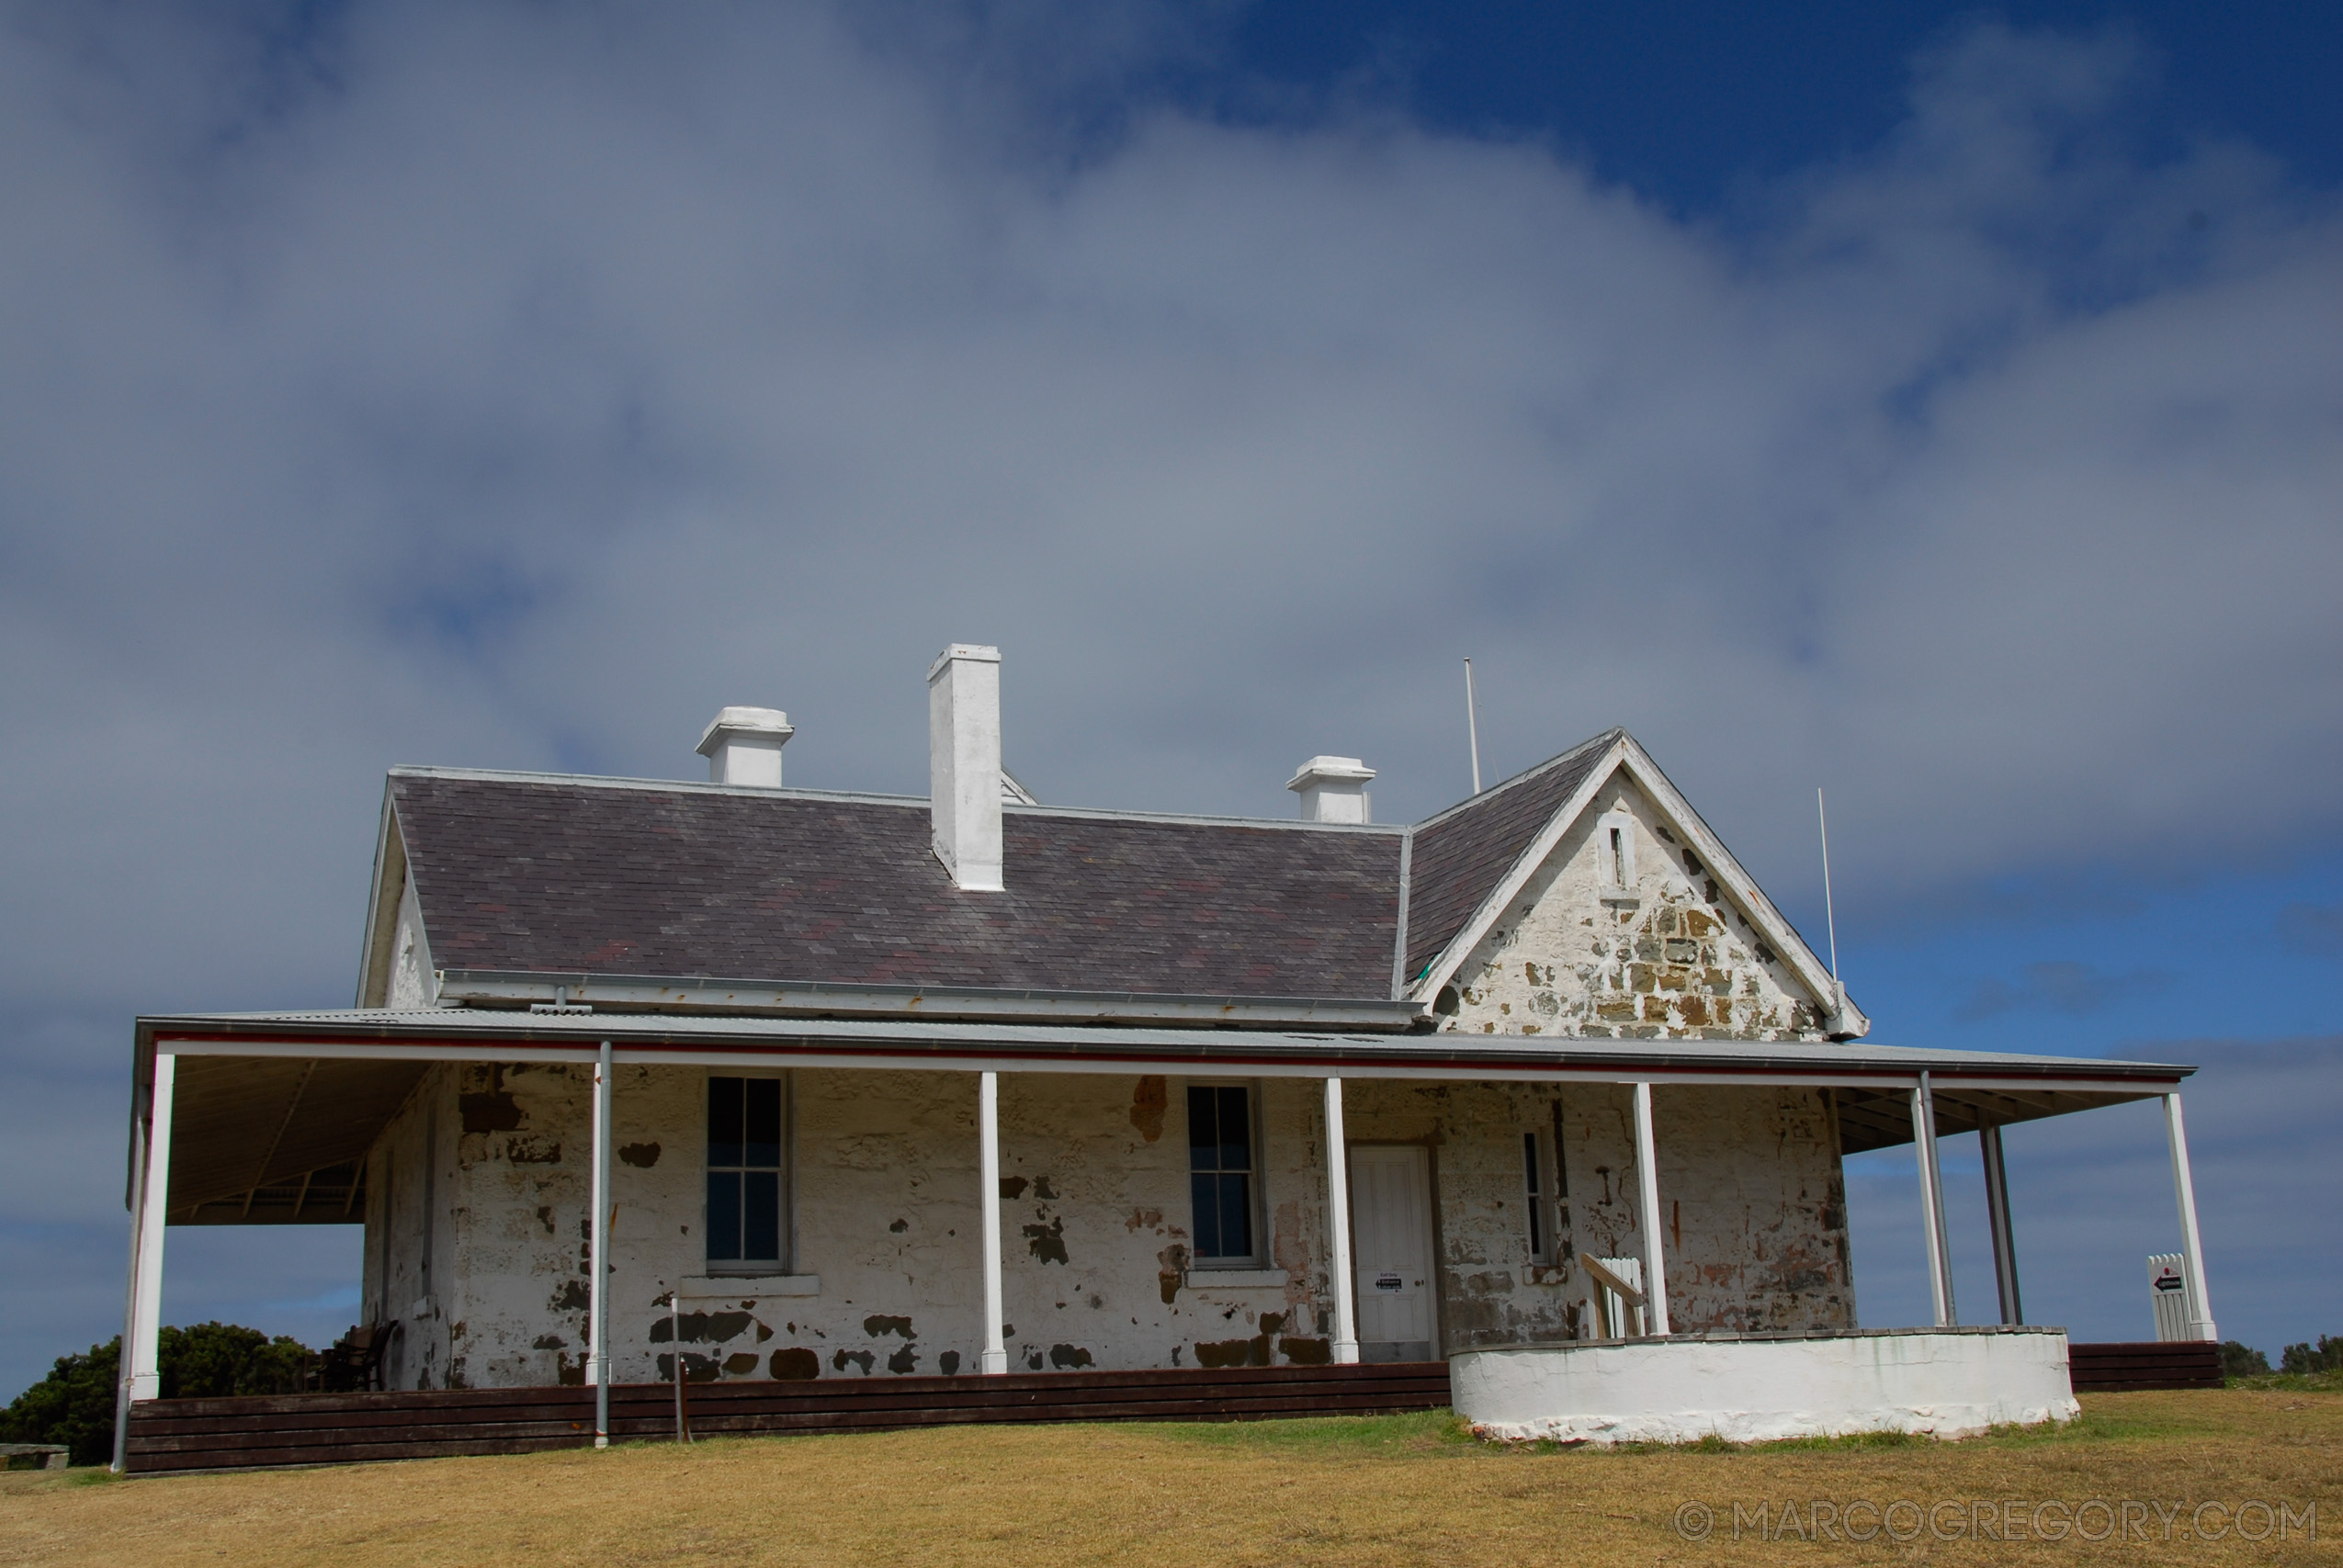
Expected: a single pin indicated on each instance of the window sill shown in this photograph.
(1207, 1278)
(748, 1287)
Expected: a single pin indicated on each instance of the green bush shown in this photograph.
(73, 1406)
(74, 1403)
(2242, 1360)
(2327, 1357)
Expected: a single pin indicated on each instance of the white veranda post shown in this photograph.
(597, 1242)
(1997, 1214)
(1338, 1226)
(139, 1363)
(1647, 1189)
(994, 1358)
(1939, 1254)
(2184, 1189)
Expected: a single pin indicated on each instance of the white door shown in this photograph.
(1391, 1244)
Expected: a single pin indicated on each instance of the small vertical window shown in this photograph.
(745, 1196)
(1615, 842)
(1220, 1170)
(1535, 1188)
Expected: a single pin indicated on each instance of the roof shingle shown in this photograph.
(541, 875)
(1461, 854)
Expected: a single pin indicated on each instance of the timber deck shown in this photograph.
(341, 1428)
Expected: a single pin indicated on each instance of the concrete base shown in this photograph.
(1750, 1388)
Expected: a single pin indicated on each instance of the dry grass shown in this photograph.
(1366, 1490)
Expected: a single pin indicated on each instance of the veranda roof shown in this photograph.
(275, 1110)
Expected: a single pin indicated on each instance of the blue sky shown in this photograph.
(1939, 405)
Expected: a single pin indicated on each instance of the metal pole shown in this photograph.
(1996, 1211)
(675, 1334)
(1830, 911)
(1472, 724)
(1338, 1227)
(599, 1225)
(1939, 1258)
(995, 1356)
(1648, 1186)
(142, 1160)
(2184, 1189)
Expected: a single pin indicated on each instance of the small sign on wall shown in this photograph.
(2168, 1294)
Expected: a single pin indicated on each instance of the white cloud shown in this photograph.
(487, 385)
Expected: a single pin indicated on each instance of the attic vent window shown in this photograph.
(1616, 845)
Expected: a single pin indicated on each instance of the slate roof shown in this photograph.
(1462, 853)
(548, 875)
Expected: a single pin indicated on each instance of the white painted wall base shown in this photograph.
(1761, 1388)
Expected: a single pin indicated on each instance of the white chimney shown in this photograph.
(743, 746)
(1333, 789)
(964, 764)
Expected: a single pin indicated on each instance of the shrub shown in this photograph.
(2242, 1360)
(74, 1403)
(73, 1406)
(2325, 1357)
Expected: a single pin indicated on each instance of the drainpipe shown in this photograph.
(597, 1249)
(1337, 1224)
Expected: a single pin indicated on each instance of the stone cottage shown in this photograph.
(854, 1086)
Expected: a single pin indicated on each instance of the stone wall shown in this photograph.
(1670, 957)
(885, 1266)
(1751, 1197)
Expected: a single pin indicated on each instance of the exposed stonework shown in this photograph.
(1093, 1210)
(1750, 1194)
(1093, 1216)
(1669, 956)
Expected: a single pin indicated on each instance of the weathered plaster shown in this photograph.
(413, 983)
(1752, 1198)
(1094, 1220)
(414, 1215)
(1668, 957)
(1094, 1190)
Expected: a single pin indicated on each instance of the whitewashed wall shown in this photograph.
(1094, 1193)
(1944, 1382)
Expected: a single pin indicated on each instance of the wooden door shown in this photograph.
(1391, 1248)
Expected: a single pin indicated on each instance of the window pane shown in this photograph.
(724, 1116)
(723, 1214)
(1235, 1134)
(1207, 1201)
(1204, 1137)
(1236, 1217)
(760, 1215)
(762, 1116)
